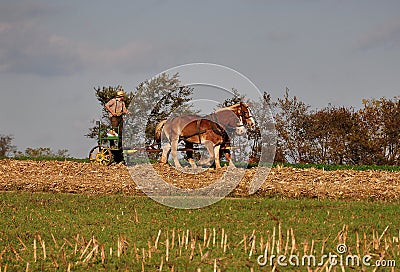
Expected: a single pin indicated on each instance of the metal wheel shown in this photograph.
(100, 154)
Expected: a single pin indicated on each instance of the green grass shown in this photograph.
(117, 232)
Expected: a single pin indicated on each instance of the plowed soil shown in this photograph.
(86, 178)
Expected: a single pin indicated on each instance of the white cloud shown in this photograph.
(28, 47)
(385, 36)
(124, 58)
(4, 27)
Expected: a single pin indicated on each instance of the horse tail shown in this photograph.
(158, 131)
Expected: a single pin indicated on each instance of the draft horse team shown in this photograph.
(213, 130)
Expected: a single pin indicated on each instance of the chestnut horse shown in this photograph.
(211, 130)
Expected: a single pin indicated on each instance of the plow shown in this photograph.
(105, 152)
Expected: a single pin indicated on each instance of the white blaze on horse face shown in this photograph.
(240, 129)
(250, 121)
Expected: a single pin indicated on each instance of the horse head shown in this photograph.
(243, 112)
(229, 120)
(240, 129)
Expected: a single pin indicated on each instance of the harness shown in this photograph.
(198, 132)
(216, 128)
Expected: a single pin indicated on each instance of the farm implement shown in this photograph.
(106, 151)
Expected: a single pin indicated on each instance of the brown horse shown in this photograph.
(211, 130)
(242, 111)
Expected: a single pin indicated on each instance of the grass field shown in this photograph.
(67, 232)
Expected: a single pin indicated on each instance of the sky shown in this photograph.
(53, 54)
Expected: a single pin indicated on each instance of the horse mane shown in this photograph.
(158, 131)
(231, 107)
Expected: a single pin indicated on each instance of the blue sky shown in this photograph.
(52, 54)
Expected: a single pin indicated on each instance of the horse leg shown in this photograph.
(174, 152)
(210, 148)
(165, 152)
(229, 159)
(216, 152)
(189, 154)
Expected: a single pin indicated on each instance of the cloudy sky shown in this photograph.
(53, 53)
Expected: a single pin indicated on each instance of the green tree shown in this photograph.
(263, 136)
(380, 122)
(331, 134)
(163, 95)
(292, 121)
(235, 99)
(6, 146)
(338, 135)
(42, 153)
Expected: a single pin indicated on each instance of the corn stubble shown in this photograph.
(172, 250)
(75, 177)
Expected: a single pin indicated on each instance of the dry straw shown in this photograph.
(380, 245)
(74, 177)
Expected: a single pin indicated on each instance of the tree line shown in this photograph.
(338, 135)
(7, 150)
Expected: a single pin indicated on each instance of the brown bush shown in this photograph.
(338, 135)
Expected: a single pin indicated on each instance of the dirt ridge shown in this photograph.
(86, 178)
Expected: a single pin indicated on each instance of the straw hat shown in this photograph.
(120, 93)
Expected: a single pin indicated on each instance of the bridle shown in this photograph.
(244, 114)
(240, 123)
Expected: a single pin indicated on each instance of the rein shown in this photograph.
(215, 125)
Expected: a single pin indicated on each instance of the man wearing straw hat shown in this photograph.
(116, 108)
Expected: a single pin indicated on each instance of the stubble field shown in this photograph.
(75, 177)
(75, 216)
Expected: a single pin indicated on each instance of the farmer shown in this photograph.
(116, 108)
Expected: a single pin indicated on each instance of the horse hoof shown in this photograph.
(205, 163)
